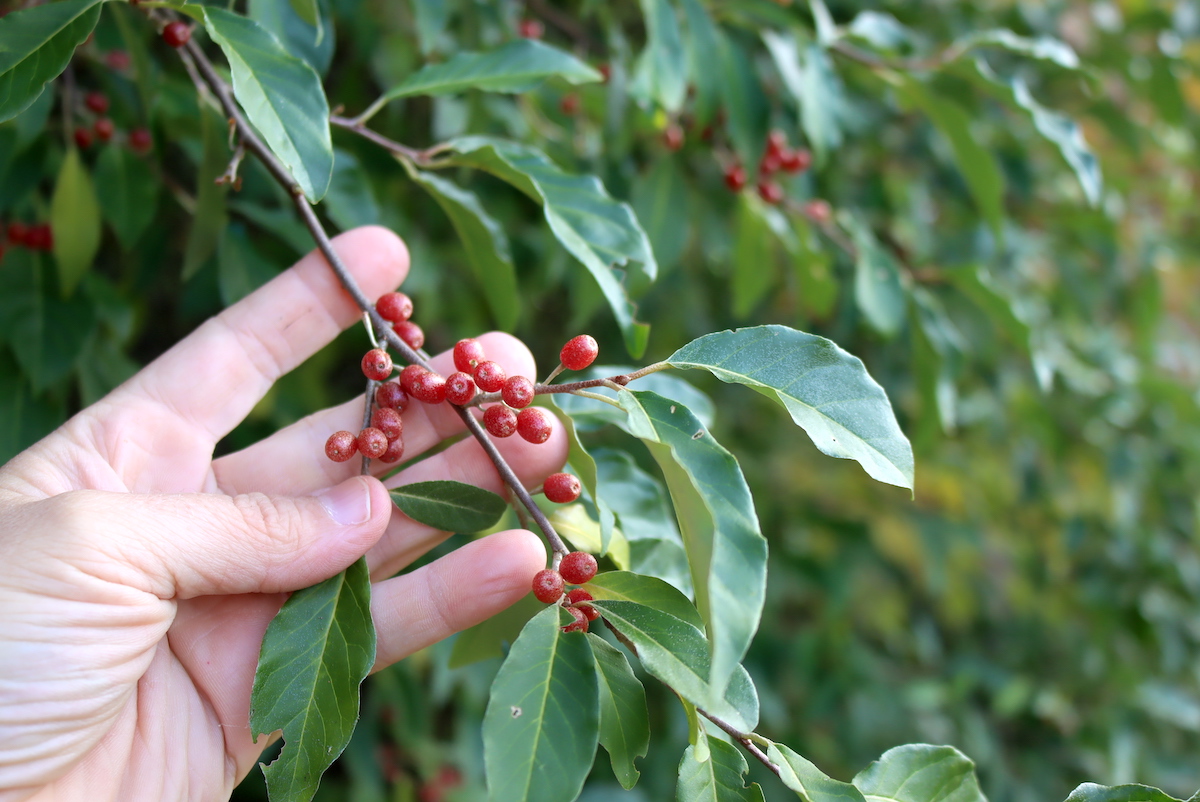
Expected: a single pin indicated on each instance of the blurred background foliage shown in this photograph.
(1012, 252)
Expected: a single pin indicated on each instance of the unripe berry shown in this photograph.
(96, 101)
(176, 34)
(580, 624)
(377, 364)
(104, 129)
(517, 392)
(578, 567)
(490, 377)
(548, 585)
(341, 446)
(735, 178)
(140, 140)
(395, 451)
(460, 388)
(561, 488)
(579, 352)
(673, 137)
(499, 420)
(409, 376)
(388, 421)
(372, 442)
(534, 424)
(795, 161)
(411, 333)
(394, 307)
(770, 192)
(430, 388)
(468, 354)
(391, 396)
(83, 138)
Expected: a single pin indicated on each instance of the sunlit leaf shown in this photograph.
(920, 773)
(36, 44)
(809, 782)
(645, 590)
(721, 778)
(75, 220)
(661, 72)
(450, 506)
(624, 720)
(1091, 792)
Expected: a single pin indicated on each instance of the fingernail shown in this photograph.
(348, 504)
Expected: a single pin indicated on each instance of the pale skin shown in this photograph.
(138, 574)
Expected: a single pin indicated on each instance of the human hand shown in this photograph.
(138, 574)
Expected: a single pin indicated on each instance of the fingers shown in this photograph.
(199, 544)
(465, 587)
(215, 376)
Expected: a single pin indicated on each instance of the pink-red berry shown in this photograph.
(83, 138)
(411, 333)
(534, 424)
(409, 376)
(104, 129)
(776, 142)
(770, 164)
(818, 211)
(569, 105)
(430, 388)
(735, 178)
(388, 421)
(531, 29)
(578, 598)
(395, 451)
(176, 34)
(580, 624)
(468, 354)
(548, 585)
(140, 140)
(391, 395)
(117, 60)
(579, 352)
(394, 307)
(372, 442)
(499, 420)
(460, 388)
(673, 137)
(578, 567)
(490, 376)
(341, 446)
(795, 161)
(561, 488)
(96, 101)
(517, 392)
(770, 191)
(377, 364)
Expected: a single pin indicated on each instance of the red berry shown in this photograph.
(776, 142)
(411, 333)
(341, 446)
(569, 104)
(795, 161)
(17, 233)
(770, 164)
(577, 598)
(83, 138)
(372, 442)
(176, 34)
(140, 140)
(394, 307)
(395, 451)
(531, 29)
(40, 238)
(104, 129)
(377, 364)
(391, 396)
(818, 211)
(770, 191)
(490, 376)
(96, 101)
(117, 60)
(499, 420)
(673, 137)
(580, 624)
(430, 388)
(388, 421)
(578, 567)
(517, 392)
(409, 376)
(605, 71)
(579, 352)
(460, 388)
(561, 488)
(468, 354)
(735, 178)
(534, 424)
(548, 585)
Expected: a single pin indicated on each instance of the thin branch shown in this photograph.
(418, 157)
(745, 739)
(936, 61)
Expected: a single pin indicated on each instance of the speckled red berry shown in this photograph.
(395, 451)
(548, 585)
(460, 388)
(579, 352)
(534, 424)
(517, 392)
(341, 446)
(409, 376)
(579, 598)
(490, 377)
(372, 442)
(580, 624)
(388, 421)
(468, 354)
(411, 333)
(391, 395)
(429, 388)
(176, 34)
(377, 364)
(561, 488)
(394, 307)
(96, 101)
(578, 567)
(500, 421)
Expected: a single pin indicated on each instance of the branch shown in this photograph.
(419, 157)
(745, 739)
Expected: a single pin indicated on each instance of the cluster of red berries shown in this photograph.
(577, 568)
(777, 158)
(36, 237)
(102, 128)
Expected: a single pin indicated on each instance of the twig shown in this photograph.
(873, 61)
(418, 157)
(745, 739)
(230, 176)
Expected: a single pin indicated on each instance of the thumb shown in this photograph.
(200, 544)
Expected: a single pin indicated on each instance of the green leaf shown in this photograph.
(660, 199)
(721, 778)
(754, 256)
(75, 218)
(432, 16)
(600, 232)
(583, 532)
(976, 163)
(647, 591)
(976, 283)
(1043, 48)
(624, 720)
(309, 38)
(661, 73)
(350, 202)
(726, 550)
(308, 11)
(1091, 792)
(746, 107)
(450, 506)
(590, 414)
(491, 638)
(240, 268)
(812, 784)
(485, 242)
(827, 391)
(130, 194)
(881, 30)
(543, 716)
(48, 330)
(676, 653)
(810, 77)
(281, 95)
(702, 42)
(920, 773)
(585, 468)
(315, 654)
(36, 44)
(210, 218)
(878, 289)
